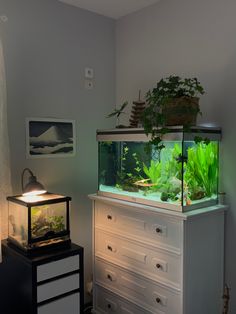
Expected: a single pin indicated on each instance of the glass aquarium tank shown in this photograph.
(181, 176)
(35, 222)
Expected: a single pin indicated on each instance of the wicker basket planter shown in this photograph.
(181, 111)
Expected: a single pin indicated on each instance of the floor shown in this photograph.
(88, 308)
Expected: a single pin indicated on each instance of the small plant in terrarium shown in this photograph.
(44, 224)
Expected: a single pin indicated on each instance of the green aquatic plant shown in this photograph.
(171, 178)
(153, 172)
(173, 166)
(126, 178)
(201, 169)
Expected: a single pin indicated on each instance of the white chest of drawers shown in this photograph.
(153, 260)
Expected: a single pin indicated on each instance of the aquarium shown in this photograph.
(36, 222)
(181, 176)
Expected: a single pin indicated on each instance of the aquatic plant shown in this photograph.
(173, 166)
(153, 172)
(171, 177)
(201, 169)
(126, 178)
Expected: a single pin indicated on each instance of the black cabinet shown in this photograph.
(49, 283)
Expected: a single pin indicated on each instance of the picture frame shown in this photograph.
(49, 137)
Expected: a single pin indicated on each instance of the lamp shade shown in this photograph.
(33, 187)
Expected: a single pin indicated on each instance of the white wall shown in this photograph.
(188, 38)
(47, 45)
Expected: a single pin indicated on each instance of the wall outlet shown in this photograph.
(88, 84)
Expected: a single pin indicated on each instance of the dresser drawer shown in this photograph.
(153, 263)
(107, 302)
(60, 267)
(137, 289)
(66, 305)
(154, 228)
(57, 287)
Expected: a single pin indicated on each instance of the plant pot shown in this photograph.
(181, 111)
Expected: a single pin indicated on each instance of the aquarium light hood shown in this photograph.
(174, 133)
(33, 187)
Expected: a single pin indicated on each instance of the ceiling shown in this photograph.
(111, 8)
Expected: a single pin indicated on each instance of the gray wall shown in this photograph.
(47, 45)
(188, 38)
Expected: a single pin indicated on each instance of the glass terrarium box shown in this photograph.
(181, 176)
(35, 222)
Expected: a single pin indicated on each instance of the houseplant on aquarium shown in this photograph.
(174, 101)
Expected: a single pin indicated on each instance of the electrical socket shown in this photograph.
(88, 84)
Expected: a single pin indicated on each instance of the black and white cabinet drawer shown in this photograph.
(68, 304)
(61, 286)
(58, 286)
(58, 267)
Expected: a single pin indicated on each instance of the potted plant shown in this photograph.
(174, 101)
(116, 113)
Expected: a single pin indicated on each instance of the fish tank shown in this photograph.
(181, 176)
(37, 222)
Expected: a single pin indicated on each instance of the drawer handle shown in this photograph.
(158, 300)
(109, 248)
(158, 230)
(109, 277)
(158, 266)
(109, 217)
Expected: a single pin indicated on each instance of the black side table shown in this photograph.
(48, 283)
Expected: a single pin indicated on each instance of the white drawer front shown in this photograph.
(57, 268)
(154, 228)
(107, 302)
(153, 263)
(137, 289)
(57, 287)
(67, 305)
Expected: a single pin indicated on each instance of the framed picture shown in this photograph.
(50, 138)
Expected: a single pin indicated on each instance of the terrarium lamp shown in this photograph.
(33, 187)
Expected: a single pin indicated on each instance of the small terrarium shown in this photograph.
(182, 176)
(38, 221)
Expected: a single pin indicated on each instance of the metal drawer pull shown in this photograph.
(109, 277)
(109, 217)
(158, 266)
(109, 248)
(158, 300)
(158, 230)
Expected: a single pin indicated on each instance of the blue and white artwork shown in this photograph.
(49, 138)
